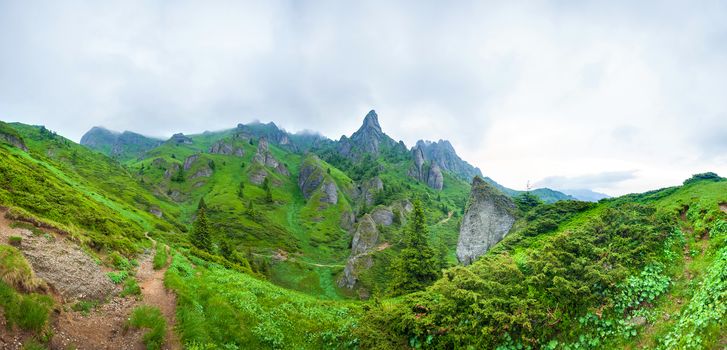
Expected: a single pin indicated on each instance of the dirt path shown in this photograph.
(449, 216)
(105, 326)
(153, 292)
(293, 259)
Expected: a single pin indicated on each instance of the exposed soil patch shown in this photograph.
(723, 207)
(104, 328)
(62, 264)
(383, 246)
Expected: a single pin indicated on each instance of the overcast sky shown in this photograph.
(615, 96)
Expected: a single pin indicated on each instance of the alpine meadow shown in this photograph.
(202, 227)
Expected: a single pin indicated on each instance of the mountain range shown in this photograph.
(253, 237)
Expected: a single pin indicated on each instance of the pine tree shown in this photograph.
(417, 265)
(240, 190)
(268, 190)
(201, 229)
(201, 204)
(179, 177)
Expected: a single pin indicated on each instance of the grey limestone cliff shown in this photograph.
(488, 218)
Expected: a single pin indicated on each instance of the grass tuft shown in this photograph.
(15, 270)
(160, 258)
(150, 317)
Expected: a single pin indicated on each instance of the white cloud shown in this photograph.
(524, 90)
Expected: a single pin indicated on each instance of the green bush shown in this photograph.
(120, 262)
(151, 318)
(160, 257)
(84, 306)
(131, 287)
(117, 276)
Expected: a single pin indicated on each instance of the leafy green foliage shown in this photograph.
(703, 319)
(117, 277)
(527, 201)
(572, 273)
(84, 306)
(703, 177)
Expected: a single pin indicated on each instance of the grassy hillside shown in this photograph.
(640, 271)
(85, 193)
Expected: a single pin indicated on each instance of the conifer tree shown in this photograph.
(201, 228)
(268, 190)
(240, 190)
(417, 265)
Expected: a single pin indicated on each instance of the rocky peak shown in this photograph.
(368, 138)
(98, 136)
(117, 144)
(429, 173)
(488, 218)
(443, 154)
(371, 121)
(180, 139)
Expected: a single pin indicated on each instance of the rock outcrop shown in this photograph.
(313, 177)
(180, 139)
(171, 170)
(364, 242)
(11, 137)
(488, 218)
(367, 190)
(264, 157)
(443, 154)
(222, 147)
(383, 216)
(427, 173)
(190, 161)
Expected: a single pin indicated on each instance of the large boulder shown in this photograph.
(488, 218)
(363, 244)
(383, 216)
(223, 147)
(368, 189)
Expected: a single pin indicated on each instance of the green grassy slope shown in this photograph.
(83, 192)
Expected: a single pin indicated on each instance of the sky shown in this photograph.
(613, 96)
